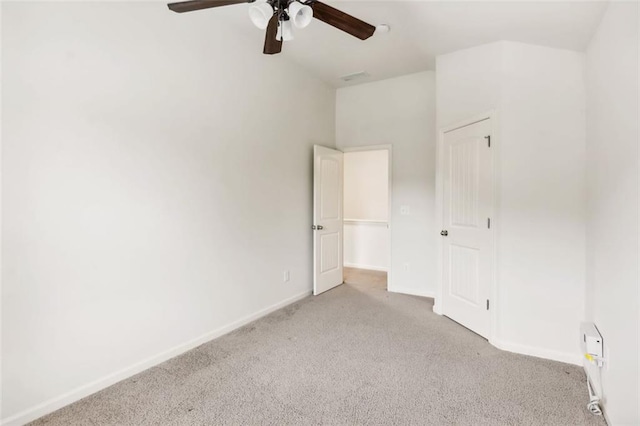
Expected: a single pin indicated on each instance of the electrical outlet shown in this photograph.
(287, 276)
(405, 210)
(406, 267)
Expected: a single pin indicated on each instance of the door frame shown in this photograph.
(495, 222)
(389, 149)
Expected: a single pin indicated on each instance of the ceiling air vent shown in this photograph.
(355, 76)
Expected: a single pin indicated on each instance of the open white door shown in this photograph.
(467, 239)
(327, 218)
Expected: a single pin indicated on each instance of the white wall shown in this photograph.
(400, 112)
(540, 221)
(612, 226)
(141, 159)
(366, 245)
(366, 209)
(469, 82)
(366, 185)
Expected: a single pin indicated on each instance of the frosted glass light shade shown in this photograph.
(300, 14)
(260, 14)
(285, 31)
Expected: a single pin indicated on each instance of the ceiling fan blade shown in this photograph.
(190, 6)
(271, 45)
(342, 21)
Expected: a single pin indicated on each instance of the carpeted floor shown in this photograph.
(354, 355)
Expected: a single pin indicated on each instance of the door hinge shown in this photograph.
(489, 223)
(487, 304)
(488, 138)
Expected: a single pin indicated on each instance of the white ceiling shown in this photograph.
(421, 30)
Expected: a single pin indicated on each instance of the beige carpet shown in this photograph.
(354, 355)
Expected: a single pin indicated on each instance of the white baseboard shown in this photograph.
(437, 307)
(604, 414)
(67, 398)
(412, 291)
(369, 267)
(566, 357)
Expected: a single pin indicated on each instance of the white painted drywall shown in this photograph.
(400, 112)
(151, 193)
(366, 185)
(612, 226)
(469, 83)
(366, 209)
(540, 218)
(366, 245)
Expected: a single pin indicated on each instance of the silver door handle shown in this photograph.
(317, 228)
(444, 233)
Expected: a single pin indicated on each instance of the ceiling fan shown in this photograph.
(277, 17)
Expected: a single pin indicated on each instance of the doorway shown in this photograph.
(367, 197)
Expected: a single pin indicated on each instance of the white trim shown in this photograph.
(605, 414)
(411, 291)
(1, 251)
(365, 222)
(468, 122)
(496, 141)
(389, 149)
(495, 154)
(386, 147)
(67, 398)
(368, 267)
(569, 358)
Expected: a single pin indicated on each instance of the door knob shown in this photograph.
(444, 233)
(319, 227)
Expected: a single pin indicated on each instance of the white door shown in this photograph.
(467, 238)
(327, 218)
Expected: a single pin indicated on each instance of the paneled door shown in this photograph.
(467, 237)
(327, 218)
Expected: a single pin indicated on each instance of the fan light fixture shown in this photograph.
(278, 17)
(296, 13)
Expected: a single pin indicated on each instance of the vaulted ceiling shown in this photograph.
(421, 30)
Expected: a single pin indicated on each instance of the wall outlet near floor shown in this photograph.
(405, 210)
(286, 276)
(406, 267)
